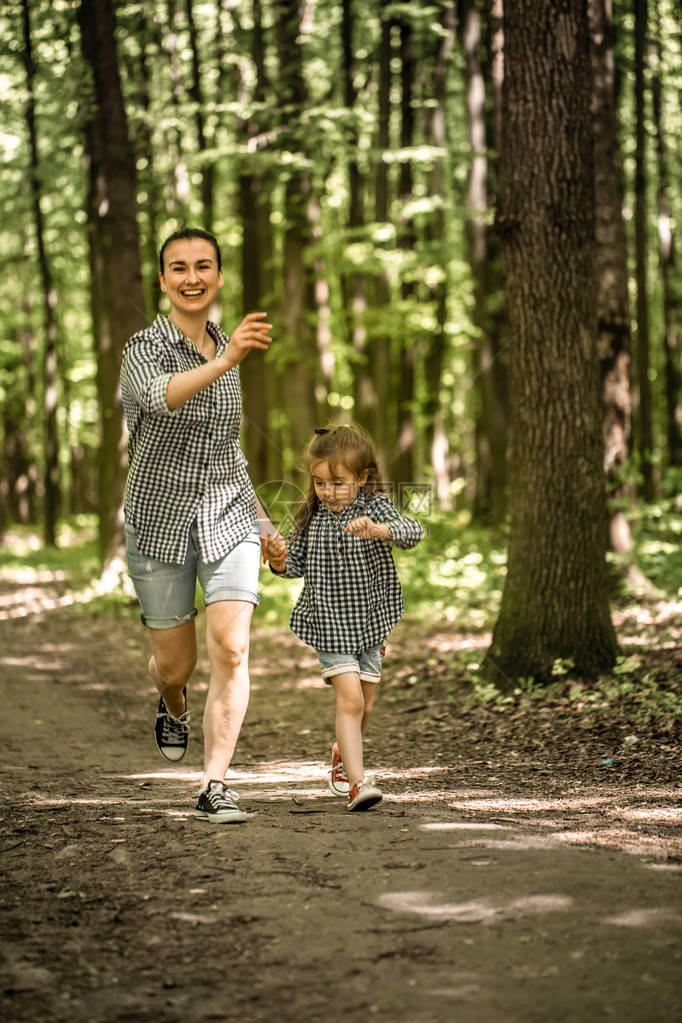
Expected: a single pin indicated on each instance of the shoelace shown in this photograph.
(174, 730)
(221, 797)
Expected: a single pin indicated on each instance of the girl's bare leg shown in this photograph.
(368, 692)
(350, 707)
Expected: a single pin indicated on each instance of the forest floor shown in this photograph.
(525, 864)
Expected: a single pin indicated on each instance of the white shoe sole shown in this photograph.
(366, 800)
(227, 817)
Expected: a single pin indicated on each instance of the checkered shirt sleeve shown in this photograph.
(185, 464)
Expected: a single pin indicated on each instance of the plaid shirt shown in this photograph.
(185, 464)
(351, 597)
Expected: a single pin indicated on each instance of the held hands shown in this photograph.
(275, 551)
(365, 529)
(251, 333)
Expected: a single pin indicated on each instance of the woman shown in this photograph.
(190, 507)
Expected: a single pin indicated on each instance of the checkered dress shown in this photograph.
(351, 597)
(185, 464)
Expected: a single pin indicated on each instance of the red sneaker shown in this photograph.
(338, 780)
(363, 795)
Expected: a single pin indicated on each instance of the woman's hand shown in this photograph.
(365, 529)
(251, 333)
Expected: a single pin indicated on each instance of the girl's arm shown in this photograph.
(294, 565)
(386, 523)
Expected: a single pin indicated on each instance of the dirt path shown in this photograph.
(491, 884)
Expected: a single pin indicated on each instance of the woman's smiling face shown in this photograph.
(191, 277)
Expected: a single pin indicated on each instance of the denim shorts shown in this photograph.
(166, 592)
(367, 663)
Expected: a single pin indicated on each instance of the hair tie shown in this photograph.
(321, 431)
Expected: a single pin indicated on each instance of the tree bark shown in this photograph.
(255, 205)
(404, 462)
(672, 338)
(488, 369)
(51, 439)
(645, 431)
(381, 290)
(117, 295)
(435, 431)
(613, 307)
(298, 283)
(555, 602)
(353, 285)
(196, 95)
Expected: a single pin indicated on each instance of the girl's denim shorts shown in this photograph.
(166, 592)
(367, 663)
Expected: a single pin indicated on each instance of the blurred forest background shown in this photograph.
(460, 215)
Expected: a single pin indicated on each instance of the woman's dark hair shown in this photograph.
(347, 446)
(186, 234)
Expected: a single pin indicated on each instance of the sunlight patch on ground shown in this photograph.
(523, 805)
(429, 904)
(36, 799)
(631, 842)
(273, 772)
(643, 918)
(521, 844)
(464, 826)
(667, 814)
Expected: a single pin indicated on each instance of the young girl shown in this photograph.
(341, 544)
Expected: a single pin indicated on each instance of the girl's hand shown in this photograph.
(275, 551)
(251, 333)
(365, 529)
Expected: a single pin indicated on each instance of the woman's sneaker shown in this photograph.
(363, 795)
(217, 803)
(171, 733)
(338, 780)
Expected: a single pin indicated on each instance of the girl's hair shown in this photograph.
(186, 234)
(347, 446)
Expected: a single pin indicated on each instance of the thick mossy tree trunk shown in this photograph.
(555, 602)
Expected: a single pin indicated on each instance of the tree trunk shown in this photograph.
(196, 95)
(488, 369)
(555, 602)
(404, 462)
(117, 296)
(435, 432)
(149, 33)
(645, 431)
(298, 283)
(255, 205)
(613, 312)
(672, 339)
(381, 340)
(51, 441)
(353, 285)
(178, 189)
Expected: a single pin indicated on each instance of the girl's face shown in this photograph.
(336, 489)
